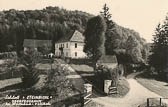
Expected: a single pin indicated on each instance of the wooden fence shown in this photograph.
(161, 103)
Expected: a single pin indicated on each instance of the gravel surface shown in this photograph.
(136, 96)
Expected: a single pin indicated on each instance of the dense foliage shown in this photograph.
(95, 38)
(49, 23)
(109, 43)
(54, 22)
(29, 72)
(105, 73)
(61, 88)
(123, 42)
(159, 51)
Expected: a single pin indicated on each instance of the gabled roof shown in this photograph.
(77, 37)
(72, 36)
(36, 43)
(108, 59)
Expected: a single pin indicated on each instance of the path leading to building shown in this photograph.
(136, 96)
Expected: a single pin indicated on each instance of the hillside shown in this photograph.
(50, 23)
(38, 23)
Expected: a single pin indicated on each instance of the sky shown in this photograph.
(141, 15)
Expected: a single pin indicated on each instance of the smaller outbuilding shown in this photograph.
(35, 44)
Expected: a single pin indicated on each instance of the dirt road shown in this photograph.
(136, 96)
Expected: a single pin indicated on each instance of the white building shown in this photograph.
(72, 45)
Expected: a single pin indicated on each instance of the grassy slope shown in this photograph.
(123, 88)
(11, 85)
(159, 87)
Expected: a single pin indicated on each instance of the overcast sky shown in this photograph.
(140, 15)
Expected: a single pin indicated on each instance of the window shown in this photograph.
(75, 53)
(75, 45)
(67, 45)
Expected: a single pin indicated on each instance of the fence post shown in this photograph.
(107, 84)
(160, 101)
(147, 102)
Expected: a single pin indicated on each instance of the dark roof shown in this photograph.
(67, 37)
(73, 36)
(36, 43)
(108, 59)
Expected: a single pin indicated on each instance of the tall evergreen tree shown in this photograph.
(107, 17)
(110, 41)
(95, 38)
(158, 58)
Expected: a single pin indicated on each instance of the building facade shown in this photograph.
(71, 46)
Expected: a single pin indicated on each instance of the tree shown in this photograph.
(133, 50)
(158, 58)
(107, 17)
(19, 37)
(110, 32)
(29, 72)
(145, 53)
(56, 31)
(95, 38)
(44, 49)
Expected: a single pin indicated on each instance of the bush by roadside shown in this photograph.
(104, 73)
(60, 87)
(97, 79)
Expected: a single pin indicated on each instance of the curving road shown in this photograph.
(136, 96)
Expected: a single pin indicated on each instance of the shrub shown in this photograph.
(29, 73)
(56, 81)
(9, 69)
(30, 76)
(105, 73)
(60, 87)
(7, 55)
